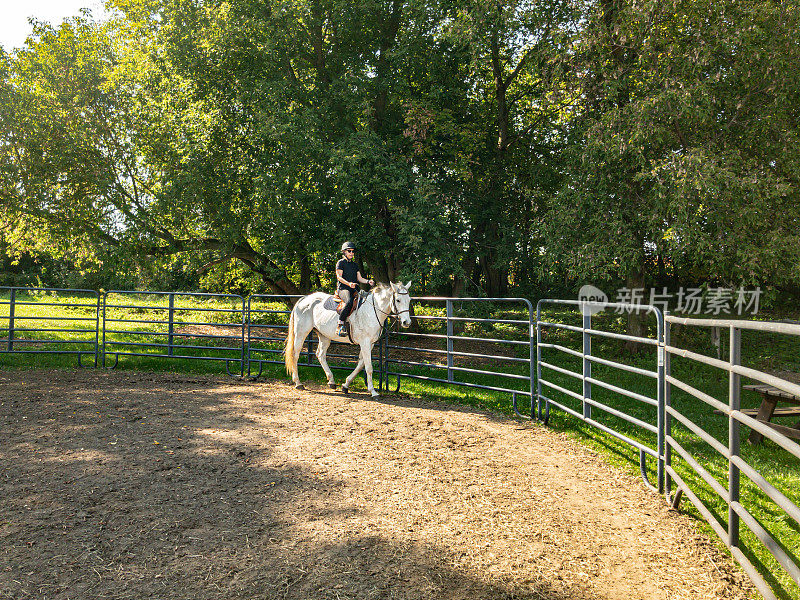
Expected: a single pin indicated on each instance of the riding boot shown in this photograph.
(341, 331)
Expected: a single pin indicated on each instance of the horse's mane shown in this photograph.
(381, 290)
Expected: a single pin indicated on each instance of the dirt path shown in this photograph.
(141, 485)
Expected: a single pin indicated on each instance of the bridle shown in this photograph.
(395, 312)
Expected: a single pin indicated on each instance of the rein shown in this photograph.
(394, 312)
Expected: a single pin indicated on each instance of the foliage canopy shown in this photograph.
(479, 147)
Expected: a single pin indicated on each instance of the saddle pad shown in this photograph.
(332, 303)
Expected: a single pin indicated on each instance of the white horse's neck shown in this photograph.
(382, 300)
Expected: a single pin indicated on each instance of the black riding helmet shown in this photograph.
(348, 246)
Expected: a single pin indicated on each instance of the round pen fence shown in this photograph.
(578, 384)
(455, 334)
(725, 480)
(668, 401)
(267, 327)
(174, 325)
(50, 321)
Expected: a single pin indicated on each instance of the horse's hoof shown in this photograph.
(376, 396)
(345, 389)
(299, 386)
(332, 386)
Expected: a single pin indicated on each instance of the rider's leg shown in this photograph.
(347, 296)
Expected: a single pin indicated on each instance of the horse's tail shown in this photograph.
(288, 350)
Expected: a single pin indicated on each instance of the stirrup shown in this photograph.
(341, 331)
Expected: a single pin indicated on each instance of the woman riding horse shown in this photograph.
(366, 327)
(349, 276)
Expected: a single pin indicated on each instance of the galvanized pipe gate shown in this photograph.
(400, 350)
(187, 326)
(666, 413)
(248, 332)
(586, 331)
(77, 322)
(738, 508)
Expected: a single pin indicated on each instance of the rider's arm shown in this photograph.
(342, 280)
(363, 279)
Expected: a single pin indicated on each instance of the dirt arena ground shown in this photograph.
(149, 485)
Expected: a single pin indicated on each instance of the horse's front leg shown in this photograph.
(322, 349)
(356, 371)
(366, 358)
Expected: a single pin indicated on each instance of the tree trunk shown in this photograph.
(637, 319)
(457, 288)
(305, 275)
(282, 287)
(492, 275)
(378, 267)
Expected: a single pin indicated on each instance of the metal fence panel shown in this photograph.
(420, 354)
(739, 509)
(185, 325)
(591, 410)
(50, 321)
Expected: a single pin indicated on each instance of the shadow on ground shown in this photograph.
(137, 485)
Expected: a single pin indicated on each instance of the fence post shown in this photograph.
(734, 403)
(531, 358)
(667, 404)
(105, 303)
(449, 340)
(380, 363)
(385, 341)
(587, 364)
(171, 321)
(11, 319)
(660, 396)
(539, 359)
(97, 332)
(245, 321)
(249, 330)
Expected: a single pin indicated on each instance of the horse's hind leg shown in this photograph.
(322, 349)
(301, 331)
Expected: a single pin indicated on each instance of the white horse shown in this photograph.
(366, 326)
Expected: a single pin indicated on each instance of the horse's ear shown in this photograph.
(408, 285)
(394, 287)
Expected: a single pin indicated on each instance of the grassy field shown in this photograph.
(138, 333)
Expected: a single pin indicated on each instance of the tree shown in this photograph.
(227, 130)
(58, 182)
(490, 146)
(676, 152)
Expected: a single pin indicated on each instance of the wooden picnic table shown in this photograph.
(770, 398)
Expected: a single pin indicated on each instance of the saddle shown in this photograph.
(337, 304)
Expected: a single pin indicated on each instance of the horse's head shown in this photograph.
(402, 302)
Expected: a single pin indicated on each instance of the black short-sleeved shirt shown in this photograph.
(349, 269)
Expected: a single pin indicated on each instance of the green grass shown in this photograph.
(759, 350)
